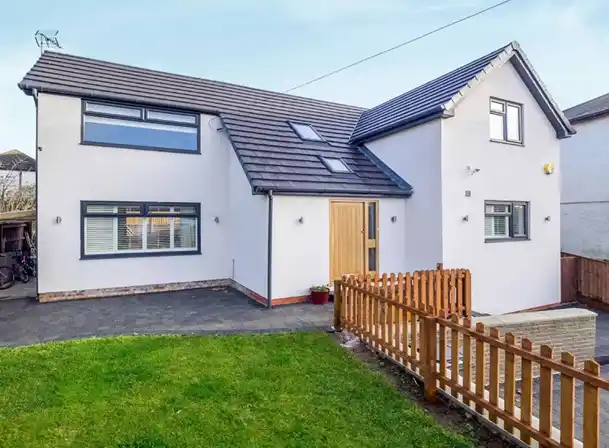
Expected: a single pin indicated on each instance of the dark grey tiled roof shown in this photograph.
(272, 155)
(419, 103)
(590, 109)
(439, 97)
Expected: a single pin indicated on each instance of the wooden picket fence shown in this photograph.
(585, 279)
(463, 363)
(446, 290)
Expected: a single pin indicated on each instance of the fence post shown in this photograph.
(428, 356)
(591, 408)
(338, 306)
(468, 293)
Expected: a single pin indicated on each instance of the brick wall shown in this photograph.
(130, 290)
(570, 330)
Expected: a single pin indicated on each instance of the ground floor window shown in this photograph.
(506, 220)
(123, 229)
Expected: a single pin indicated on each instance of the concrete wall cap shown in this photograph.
(539, 316)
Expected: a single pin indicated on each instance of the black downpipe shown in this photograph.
(36, 150)
(269, 255)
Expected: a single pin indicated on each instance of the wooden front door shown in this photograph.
(347, 238)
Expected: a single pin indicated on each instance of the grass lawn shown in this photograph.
(297, 390)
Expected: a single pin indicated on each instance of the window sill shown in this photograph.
(506, 142)
(138, 255)
(141, 148)
(505, 240)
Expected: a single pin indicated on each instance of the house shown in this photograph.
(16, 169)
(585, 183)
(200, 183)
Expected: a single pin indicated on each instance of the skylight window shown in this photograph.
(306, 132)
(336, 165)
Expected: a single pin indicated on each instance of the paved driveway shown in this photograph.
(602, 356)
(218, 310)
(602, 336)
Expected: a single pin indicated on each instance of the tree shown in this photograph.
(14, 195)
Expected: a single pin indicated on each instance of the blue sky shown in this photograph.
(276, 44)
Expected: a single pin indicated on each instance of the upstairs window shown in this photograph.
(127, 229)
(505, 121)
(336, 165)
(506, 220)
(306, 132)
(127, 126)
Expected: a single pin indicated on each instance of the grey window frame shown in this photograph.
(141, 119)
(324, 160)
(143, 213)
(510, 214)
(298, 123)
(503, 114)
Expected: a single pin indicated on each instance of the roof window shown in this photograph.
(336, 165)
(306, 132)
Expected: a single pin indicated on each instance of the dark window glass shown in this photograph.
(109, 229)
(122, 132)
(135, 128)
(372, 221)
(506, 220)
(372, 259)
(129, 233)
(159, 233)
(505, 121)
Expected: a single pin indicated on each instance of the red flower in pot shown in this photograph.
(320, 294)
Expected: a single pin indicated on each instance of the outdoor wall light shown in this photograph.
(394, 219)
(216, 219)
(465, 218)
(471, 170)
(58, 220)
(547, 219)
(300, 220)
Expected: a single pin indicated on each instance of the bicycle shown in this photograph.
(7, 277)
(22, 270)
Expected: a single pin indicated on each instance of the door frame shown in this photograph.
(368, 243)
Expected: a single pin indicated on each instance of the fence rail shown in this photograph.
(462, 361)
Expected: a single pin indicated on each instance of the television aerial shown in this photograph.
(47, 39)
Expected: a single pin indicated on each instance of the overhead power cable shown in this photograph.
(395, 47)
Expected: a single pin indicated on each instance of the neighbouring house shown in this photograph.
(585, 183)
(197, 183)
(17, 169)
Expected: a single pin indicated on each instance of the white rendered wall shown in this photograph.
(585, 190)
(301, 252)
(514, 275)
(414, 154)
(248, 238)
(69, 173)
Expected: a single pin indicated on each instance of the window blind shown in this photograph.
(118, 229)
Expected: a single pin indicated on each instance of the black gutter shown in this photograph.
(28, 89)
(269, 255)
(328, 193)
(588, 116)
(36, 149)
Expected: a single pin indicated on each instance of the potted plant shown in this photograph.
(320, 294)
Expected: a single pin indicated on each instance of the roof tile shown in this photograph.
(423, 101)
(272, 154)
(589, 109)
